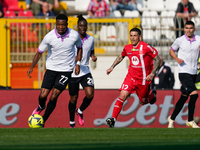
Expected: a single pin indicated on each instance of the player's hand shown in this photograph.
(108, 71)
(77, 69)
(150, 77)
(94, 58)
(29, 72)
(180, 61)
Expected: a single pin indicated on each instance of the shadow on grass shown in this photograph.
(100, 146)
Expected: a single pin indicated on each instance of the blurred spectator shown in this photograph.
(45, 11)
(1, 11)
(98, 8)
(123, 4)
(28, 4)
(36, 5)
(164, 78)
(185, 11)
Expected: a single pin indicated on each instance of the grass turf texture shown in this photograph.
(99, 138)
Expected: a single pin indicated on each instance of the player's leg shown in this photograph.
(72, 109)
(191, 106)
(143, 92)
(152, 100)
(184, 79)
(117, 108)
(87, 83)
(61, 81)
(42, 100)
(47, 85)
(126, 89)
(73, 92)
(52, 103)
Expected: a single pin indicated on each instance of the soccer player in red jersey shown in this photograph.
(140, 73)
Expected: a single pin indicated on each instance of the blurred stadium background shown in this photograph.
(21, 34)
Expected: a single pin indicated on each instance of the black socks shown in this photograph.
(72, 108)
(50, 107)
(191, 106)
(86, 103)
(179, 106)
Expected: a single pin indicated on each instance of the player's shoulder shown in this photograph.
(197, 37)
(144, 44)
(50, 33)
(128, 46)
(89, 37)
(72, 32)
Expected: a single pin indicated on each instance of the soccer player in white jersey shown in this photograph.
(140, 73)
(84, 77)
(188, 55)
(60, 63)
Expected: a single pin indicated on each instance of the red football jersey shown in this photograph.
(141, 61)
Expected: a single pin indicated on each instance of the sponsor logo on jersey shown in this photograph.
(135, 60)
(135, 49)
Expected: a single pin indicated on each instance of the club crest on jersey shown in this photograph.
(134, 49)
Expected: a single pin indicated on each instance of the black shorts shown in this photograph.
(85, 81)
(58, 80)
(188, 83)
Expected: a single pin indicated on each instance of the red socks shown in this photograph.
(117, 107)
(150, 97)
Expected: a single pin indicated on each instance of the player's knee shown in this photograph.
(44, 94)
(73, 99)
(54, 95)
(89, 93)
(123, 97)
(184, 91)
(90, 96)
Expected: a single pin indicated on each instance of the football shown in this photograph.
(35, 121)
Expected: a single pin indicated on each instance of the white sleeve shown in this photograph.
(175, 46)
(78, 42)
(43, 45)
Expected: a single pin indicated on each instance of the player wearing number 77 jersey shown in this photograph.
(140, 73)
(60, 63)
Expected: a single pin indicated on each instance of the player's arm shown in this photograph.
(34, 62)
(94, 58)
(116, 62)
(172, 53)
(155, 68)
(78, 58)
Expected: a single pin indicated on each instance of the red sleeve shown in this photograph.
(124, 51)
(152, 52)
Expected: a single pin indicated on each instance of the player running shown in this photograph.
(188, 54)
(140, 73)
(59, 64)
(84, 78)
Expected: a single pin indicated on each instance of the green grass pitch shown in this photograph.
(99, 138)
